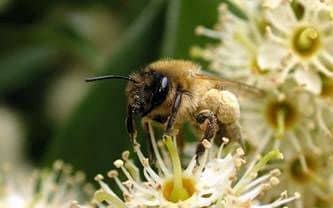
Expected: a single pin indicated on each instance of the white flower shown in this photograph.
(300, 40)
(300, 125)
(287, 119)
(285, 48)
(211, 183)
(272, 40)
(310, 176)
(42, 189)
(273, 3)
(236, 55)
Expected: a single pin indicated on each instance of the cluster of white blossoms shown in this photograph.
(55, 188)
(214, 180)
(275, 42)
(284, 47)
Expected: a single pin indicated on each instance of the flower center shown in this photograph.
(172, 194)
(306, 41)
(178, 187)
(281, 115)
(297, 171)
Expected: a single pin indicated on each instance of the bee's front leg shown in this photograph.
(149, 133)
(174, 110)
(130, 124)
(208, 123)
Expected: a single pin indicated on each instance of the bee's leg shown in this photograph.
(180, 139)
(130, 124)
(174, 110)
(208, 123)
(149, 133)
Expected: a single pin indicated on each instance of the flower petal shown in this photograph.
(271, 56)
(309, 79)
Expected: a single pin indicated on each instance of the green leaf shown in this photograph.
(22, 65)
(95, 135)
(183, 16)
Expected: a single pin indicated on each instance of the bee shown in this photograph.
(172, 92)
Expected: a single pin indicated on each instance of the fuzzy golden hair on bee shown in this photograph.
(172, 92)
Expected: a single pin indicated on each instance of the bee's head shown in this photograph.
(148, 90)
(145, 90)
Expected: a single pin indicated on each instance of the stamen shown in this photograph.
(125, 155)
(145, 163)
(262, 179)
(200, 30)
(274, 181)
(246, 42)
(156, 152)
(133, 170)
(101, 196)
(202, 162)
(220, 152)
(280, 124)
(152, 173)
(252, 172)
(120, 164)
(191, 165)
(248, 196)
(280, 202)
(114, 175)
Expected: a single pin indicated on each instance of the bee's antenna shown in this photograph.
(109, 77)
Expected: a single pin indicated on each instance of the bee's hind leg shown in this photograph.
(208, 123)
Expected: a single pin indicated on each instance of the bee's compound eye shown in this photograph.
(164, 83)
(162, 90)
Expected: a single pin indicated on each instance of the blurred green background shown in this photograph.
(48, 48)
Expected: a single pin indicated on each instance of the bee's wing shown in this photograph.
(233, 86)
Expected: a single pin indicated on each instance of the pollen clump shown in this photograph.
(224, 103)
